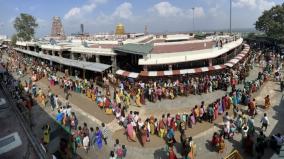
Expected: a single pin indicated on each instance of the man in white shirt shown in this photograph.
(264, 121)
(86, 142)
(56, 100)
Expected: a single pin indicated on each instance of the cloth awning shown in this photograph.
(92, 66)
(127, 74)
(239, 57)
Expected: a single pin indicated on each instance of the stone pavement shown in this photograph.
(88, 112)
(275, 115)
(155, 141)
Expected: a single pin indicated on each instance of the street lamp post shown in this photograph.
(193, 27)
(230, 17)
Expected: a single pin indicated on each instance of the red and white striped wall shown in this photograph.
(230, 63)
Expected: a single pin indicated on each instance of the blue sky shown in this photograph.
(160, 16)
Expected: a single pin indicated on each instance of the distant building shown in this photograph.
(57, 31)
(82, 28)
(146, 30)
(119, 29)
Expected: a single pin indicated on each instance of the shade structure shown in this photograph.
(92, 66)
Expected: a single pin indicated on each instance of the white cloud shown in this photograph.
(244, 3)
(123, 11)
(78, 12)
(254, 4)
(166, 9)
(89, 7)
(74, 12)
(266, 4)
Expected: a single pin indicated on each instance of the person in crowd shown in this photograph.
(52, 101)
(124, 151)
(118, 150)
(143, 135)
(210, 113)
(99, 138)
(74, 121)
(215, 140)
(276, 142)
(85, 129)
(259, 148)
(92, 137)
(86, 143)
(112, 155)
(46, 134)
(59, 117)
(249, 145)
(264, 122)
(162, 127)
(172, 154)
(235, 111)
(221, 145)
(266, 102)
(105, 132)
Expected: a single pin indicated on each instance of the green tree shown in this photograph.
(14, 39)
(25, 26)
(272, 22)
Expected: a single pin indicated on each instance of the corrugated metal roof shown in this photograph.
(140, 49)
(92, 66)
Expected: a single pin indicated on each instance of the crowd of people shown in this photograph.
(126, 91)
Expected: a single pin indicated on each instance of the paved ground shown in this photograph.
(10, 124)
(271, 88)
(154, 147)
(88, 112)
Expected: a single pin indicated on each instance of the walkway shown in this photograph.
(88, 112)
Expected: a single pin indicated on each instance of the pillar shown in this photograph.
(29, 48)
(72, 56)
(84, 57)
(145, 68)
(84, 73)
(60, 53)
(97, 58)
(53, 52)
(210, 62)
(235, 52)
(70, 71)
(61, 68)
(170, 67)
(113, 63)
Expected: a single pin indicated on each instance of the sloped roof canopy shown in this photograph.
(92, 66)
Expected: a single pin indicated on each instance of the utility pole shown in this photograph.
(193, 20)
